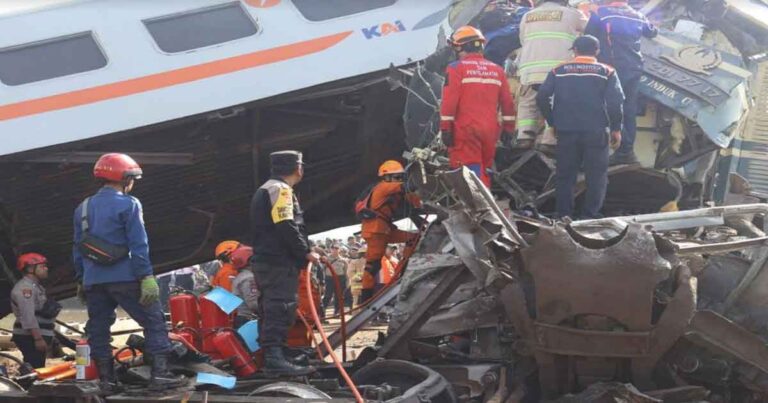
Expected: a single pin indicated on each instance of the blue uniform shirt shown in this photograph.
(619, 28)
(116, 218)
(582, 95)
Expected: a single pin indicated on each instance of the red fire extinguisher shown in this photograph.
(86, 367)
(229, 345)
(184, 309)
(211, 316)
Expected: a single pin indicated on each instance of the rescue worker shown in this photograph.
(227, 272)
(35, 313)
(501, 28)
(280, 251)
(546, 34)
(475, 89)
(619, 29)
(114, 220)
(244, 285)
(386, 199)
(581, 123)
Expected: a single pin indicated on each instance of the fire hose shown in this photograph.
(337, 363)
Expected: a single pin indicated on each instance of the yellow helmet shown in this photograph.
(391, 167)
(224, 249)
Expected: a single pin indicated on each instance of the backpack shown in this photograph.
(363, 210)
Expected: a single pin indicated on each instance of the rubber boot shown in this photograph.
(162, 378)
(276, 364)
(107, 379)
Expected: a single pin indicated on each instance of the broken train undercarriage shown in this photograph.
(520, 308)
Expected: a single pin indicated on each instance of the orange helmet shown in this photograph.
(116, 167)
(391, 167)
(240, 257)
(224, 250)
(464, 35)
(30, 259)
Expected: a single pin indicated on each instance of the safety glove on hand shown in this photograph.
(150, 291)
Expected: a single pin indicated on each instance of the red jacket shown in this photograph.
(475, 89)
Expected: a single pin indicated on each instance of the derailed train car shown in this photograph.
(702, 112)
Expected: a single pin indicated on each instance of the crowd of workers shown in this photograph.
(586, 103)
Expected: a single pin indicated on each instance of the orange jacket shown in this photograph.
(223, 278)
(387, 270)
(386, 199)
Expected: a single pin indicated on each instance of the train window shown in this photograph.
(201, 27)
(315, 10)
(50, 58)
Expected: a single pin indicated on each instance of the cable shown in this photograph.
(316, 317)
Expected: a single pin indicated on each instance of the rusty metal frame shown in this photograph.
(589, 343)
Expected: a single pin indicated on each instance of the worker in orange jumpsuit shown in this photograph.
(227, 272)
(474, 91)
(385, 200)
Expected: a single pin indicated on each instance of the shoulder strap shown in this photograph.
(84, 216)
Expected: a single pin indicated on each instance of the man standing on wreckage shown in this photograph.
(280, 251)
(112, 267)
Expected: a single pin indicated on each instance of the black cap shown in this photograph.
(285, 159)
(586, 45)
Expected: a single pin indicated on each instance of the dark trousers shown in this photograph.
(26, 344)
(103, 299)
(277, 304)
(630, 84)
(574, 151)
(330, 292)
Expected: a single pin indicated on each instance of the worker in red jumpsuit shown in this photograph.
(475, 88)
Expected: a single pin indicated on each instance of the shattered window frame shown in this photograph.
(318, 11)
(201, 28)
(51, 58)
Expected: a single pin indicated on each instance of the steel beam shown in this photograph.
(397, 342)
(90, 157)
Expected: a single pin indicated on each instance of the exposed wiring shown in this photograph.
(316, 317)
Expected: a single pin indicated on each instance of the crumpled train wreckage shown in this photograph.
(659, 307)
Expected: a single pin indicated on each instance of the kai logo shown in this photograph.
(384, 29)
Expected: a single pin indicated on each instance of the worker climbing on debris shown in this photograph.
(35, 313)
(280, 251)
(112, 267)
(227, 272)
(244, 285)
(501, 28)
(581, 124)
(546, 34)
(376, 210)
(619, 29)
(475, 89)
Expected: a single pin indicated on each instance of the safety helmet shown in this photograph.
(241, 257)
(30, 259)
(466, 34)
(391, 167)
(224, 249)
(116, 167)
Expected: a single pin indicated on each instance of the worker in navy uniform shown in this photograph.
(280, 251)
(35, 313)
(120, 273)
(582, 99)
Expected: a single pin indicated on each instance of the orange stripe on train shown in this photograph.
(168, 78)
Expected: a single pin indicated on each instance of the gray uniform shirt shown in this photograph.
(27, 297)
(244, 286)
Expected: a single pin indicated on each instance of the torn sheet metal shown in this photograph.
(702, 83)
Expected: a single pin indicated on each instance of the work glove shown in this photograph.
(81, 293)
(150, 291)
(447, 137)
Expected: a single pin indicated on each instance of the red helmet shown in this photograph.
(241, 256)
(30, 259)
(116, 167)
